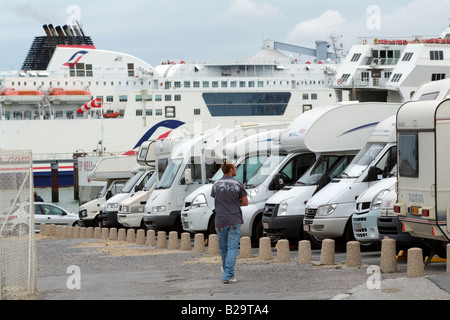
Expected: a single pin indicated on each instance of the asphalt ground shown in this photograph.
(104, 270)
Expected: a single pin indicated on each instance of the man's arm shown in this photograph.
(243, 201)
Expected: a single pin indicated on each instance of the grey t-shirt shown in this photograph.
(226, 193)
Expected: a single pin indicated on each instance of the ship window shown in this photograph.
(407, 56)
(167, 85)
(437, 76)
(196, 84)
(233, 84)
(224, 84)
(149, 98)
(313, 96)
(356, 57)
(260, 84)
(170, 112)
(305, 96)
(148, 112)
(158, 97)
(138, 112)
(187, 84)
(437, 55)
(307, 107)
(177, 84)
(197, 112)
(177, 97)
(138, 98)
(130, 69)
(215, 84)
(205, 84)
(158, 112)
(345, 77)
(109, 99)
(242, 84)
(167, 97)
(124, 98)
(396, 77)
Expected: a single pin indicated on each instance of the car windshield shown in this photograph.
(362, 160)
(132, 182)
(265, 170)
(169, 174)
(322, 165)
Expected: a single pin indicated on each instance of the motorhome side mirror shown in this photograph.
(136, 188)
(109, 194)
(278, 181)
(375, 174)
(188, 176)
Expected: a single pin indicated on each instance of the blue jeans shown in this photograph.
(229, 238)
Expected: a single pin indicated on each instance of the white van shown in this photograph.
(198, 214)
(190, 166)
(115, 171)
(284, 211)
(328, 213)
(423, 203)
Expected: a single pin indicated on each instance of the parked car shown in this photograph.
(16, 222)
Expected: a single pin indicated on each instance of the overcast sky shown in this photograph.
(157, 30)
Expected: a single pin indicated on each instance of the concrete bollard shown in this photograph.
(151, 238)
(161, 241)
(58, 231)
(283, 254)
(388, 258)
(213, 244)
(327, 254)
(83, 231)
(52, 230)
(42, 229)
(64, 231)
(354, 254)
(90, 232)
(415, 265)
(245, 248)
(69, 233)
(173, 240)
(76, 232)
(131, 235)
(265, 249)
(140, 236)
(199, 243)
(105, 234)
(113, 234)
(97, 232)
(185, 241)
(122, 234)
(448, 260)
(304, 252)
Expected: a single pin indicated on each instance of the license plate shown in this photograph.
(357, 225)
(104, 223)
(265, 225)
(415, 211)
(305, 227)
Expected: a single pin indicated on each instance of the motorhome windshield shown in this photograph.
(150, 182)
(169, 174)
(362, 160)
(322, 165)
(132, 181)
(265, 170)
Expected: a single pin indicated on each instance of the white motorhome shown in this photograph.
(338, 142)
(108, 215)
(328, 213)
(190, 166)
(423, 204)
(198, 214)
(131, 209)
(115, 171)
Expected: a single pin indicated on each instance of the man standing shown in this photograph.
(229, 195)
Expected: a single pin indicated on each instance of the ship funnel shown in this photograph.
(47, 31)
(60, 31)
(77, 31)
(52, 30)
(66, 30)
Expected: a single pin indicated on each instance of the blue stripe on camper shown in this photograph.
(171, 124)
(359, 128)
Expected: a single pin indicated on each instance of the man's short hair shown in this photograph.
(226, 166)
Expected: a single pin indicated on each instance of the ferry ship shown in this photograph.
(64, 70)
(391, 69)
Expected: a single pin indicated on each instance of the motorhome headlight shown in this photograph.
(326, 209)
(376, 202)
(199, 201)
(125, 209)
(252, 192)
(112, 205)
(282, 210)
(159, 209)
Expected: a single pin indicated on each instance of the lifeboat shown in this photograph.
(111, 115)
(11, 95)
(60, 95)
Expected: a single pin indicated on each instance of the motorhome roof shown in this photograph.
(341, 127)
(385, 131)
(256, 143)
(432, 90)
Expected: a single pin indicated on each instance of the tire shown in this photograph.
(21, 229)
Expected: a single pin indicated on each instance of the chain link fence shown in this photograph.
(17, 238)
